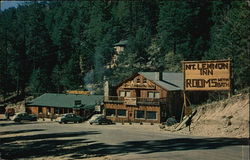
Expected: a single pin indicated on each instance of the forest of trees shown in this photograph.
(55, 46)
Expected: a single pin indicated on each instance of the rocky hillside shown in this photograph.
(225, 118)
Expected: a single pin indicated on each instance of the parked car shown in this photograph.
(24, 116)
(100, 120)
(95, 116)
(69, 117)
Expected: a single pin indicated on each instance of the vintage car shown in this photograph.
(24, 116)
(100, 120)
(69, 117)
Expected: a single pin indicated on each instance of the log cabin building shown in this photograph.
(52, 104)
(145, 97)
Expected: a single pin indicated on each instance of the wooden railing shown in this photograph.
(139, 85)
(135, 100)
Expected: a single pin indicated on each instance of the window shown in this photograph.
(153, 95)
(157, 95)
(139, 114)
(151, 115)
(110, 112)
(40, 110)
(121, 112)
(144, 80)
(138, 80)
(57, 110)
(127, 93)
(124, 93)
(60, 110)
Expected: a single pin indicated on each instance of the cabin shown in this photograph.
(52, 104)
(145, 97)
(118, 48)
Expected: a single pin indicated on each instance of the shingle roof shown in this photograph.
(66, 100)
(170, 81)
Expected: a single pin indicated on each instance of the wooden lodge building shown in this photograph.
(145, 97)
(51, 104)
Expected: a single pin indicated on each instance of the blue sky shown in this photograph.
(8, 4)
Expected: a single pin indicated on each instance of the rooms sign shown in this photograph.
(207, 75)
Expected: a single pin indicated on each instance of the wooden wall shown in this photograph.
(130, 115)
(143, 91)
(45, 110)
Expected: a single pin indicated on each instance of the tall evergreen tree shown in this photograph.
(229, 38)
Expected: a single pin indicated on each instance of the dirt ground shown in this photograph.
(225, 118)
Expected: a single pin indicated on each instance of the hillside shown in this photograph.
(54, 46)
(225, 118)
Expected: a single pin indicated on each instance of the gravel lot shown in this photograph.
(50, 140)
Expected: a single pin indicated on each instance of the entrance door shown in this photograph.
(138, 93)
(130, 115)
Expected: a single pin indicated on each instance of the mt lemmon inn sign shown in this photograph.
(207, 75)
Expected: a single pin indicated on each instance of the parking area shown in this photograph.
(51, 140)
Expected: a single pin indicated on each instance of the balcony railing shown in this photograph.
(139, 85)
(135, 100)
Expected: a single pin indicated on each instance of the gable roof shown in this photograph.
(170, 81)
(66, 100)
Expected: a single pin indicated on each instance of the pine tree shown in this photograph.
(229, 38)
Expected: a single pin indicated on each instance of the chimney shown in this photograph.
(106, 89)
(158, 76)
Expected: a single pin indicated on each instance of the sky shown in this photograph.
(7, 4)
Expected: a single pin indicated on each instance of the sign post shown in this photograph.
(213, 75)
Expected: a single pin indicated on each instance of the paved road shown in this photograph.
(50, 140)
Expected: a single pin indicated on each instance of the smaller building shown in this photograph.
(118, 47)
(51, 104)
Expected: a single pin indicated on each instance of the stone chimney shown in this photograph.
(158, 76)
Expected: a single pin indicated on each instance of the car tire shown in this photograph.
(90, 123)
(65, 122)
(80, 121)
(60, 122)
(75, 121)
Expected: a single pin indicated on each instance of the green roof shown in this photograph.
(66, 100)
(121, 43)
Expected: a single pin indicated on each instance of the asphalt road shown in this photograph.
(50, 140)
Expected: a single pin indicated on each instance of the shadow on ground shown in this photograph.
(13, 124)
(76, 146)
(21, 131)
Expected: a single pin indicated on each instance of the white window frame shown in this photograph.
(153, 94)
(125, 94)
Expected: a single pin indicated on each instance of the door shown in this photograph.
(130, 115)
(138, 93)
